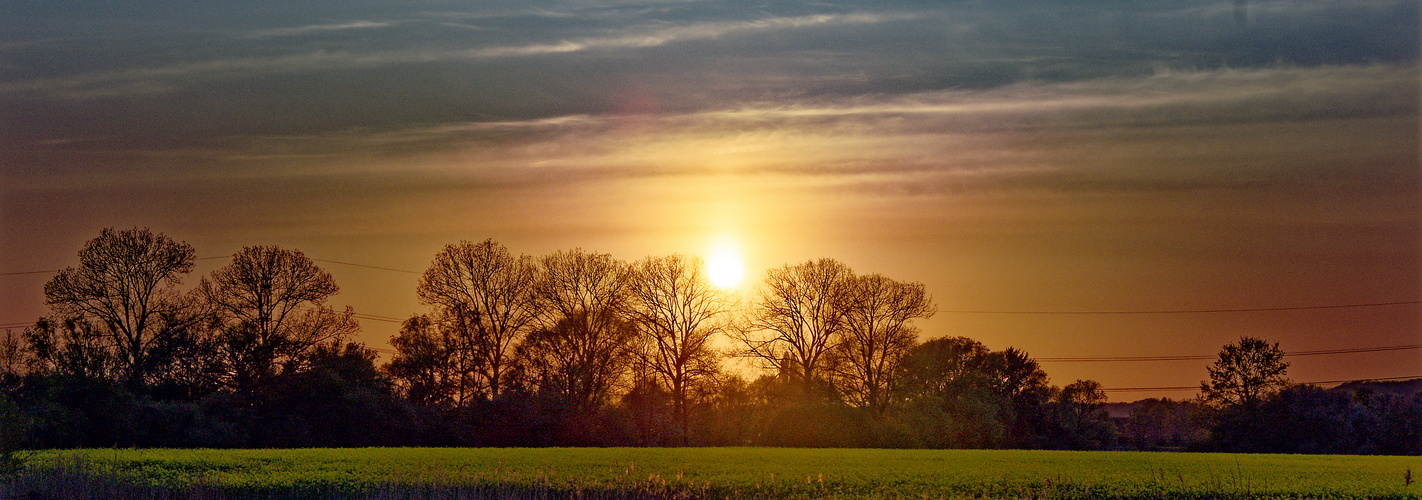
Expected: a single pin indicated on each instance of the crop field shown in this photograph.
(750, 473)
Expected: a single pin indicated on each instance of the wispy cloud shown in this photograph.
(318, 28)
(166, 78)
(921, 142)
(1228, 95)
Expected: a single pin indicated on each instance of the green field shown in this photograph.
(706, 473)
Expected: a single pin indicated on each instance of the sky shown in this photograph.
(1017, 157)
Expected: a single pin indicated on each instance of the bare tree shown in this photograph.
(269, 306)
(486, 295)
(678, 312)
(1245, 373)
(12, 354)
(581, 350)
(126, 282)
(797, 317)
(878, 333)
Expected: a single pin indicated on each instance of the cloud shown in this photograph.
(318, 28)
(175, 76)
(932, 142)
(644, 38)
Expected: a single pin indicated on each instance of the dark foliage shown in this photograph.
(578, 368)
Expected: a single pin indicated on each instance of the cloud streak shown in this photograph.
(176, 76)
(319, 28)
(945, 141)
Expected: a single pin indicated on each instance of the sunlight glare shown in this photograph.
(724, 264)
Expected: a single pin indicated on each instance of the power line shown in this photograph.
(373, 317)
(1150, 389)
(1203, 358)
(1191, 388)
(17, 273)
(1195, 311)
(368, 267)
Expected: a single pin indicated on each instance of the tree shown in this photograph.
(797, 317)
(71, 347)
(340, 399)
(486, 296)
(1245, 373)
(12, 355)
(677, 312)
(126, 283)
(1014, 375)
(424, 365)
(950, 391)
(1081, 417)
(580, 351)
(1162, 424)
(269, 309)
(878, 333)
(945, 367)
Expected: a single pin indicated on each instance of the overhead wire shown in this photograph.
(1203, 358)
(1195, 311)
(368, 266)
(1319, 382)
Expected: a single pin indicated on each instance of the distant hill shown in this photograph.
(1399, 387)
(1122, 410)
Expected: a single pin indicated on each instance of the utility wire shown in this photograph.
(17, 273)
(1191, 388)
(1202, 358)
(368, 267)
(1195, 311)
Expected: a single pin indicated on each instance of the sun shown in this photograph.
(724, 265)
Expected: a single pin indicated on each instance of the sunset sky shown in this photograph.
(1029, 156)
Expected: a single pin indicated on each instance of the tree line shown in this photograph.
(573, 348)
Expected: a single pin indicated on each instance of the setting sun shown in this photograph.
(724, 264)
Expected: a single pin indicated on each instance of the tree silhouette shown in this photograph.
(948, 383)
(1245, 373)
(945, 368)
(678, 311)
(71, 347)
(125, 283)
(485, 295)
(12, 354)
(878, 333)
(1082, 421)
(424, 365)
(580, 352)
(797, 317)
(269, 306)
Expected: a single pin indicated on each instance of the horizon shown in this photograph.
(1075, 180)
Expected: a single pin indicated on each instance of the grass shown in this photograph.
(750, 473)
